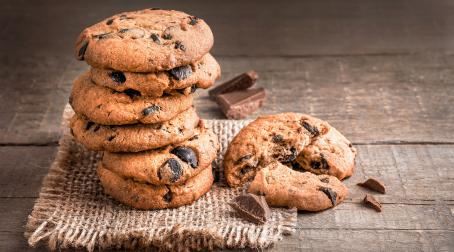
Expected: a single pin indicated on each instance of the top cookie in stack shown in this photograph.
(136, 100)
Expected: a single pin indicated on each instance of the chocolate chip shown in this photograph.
(168, 196)
(370, 201)
(150, 110)
(174, 168)
(374, 184)
(312, 129)
(291, 157)
(132, 93)
(109, 22)
(246, 169)
(251, 207)
(186, 154)
(97, 128)
(167, 36)
(332, 195)
(117, 76)
(193, 88)
(193, 20)
(89, 124)
(110, 138)
(322, 164)
(133, 33)
(297, 167)
(71, 131)
(155, 9)
(82, 50)
(277, 138)
(181, 73)
(243, 158)
(325, 180)
(102, 35)
(179, 45)
(155, 38)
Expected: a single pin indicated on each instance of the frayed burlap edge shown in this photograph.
(45, 227)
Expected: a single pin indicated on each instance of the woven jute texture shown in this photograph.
(73, 212)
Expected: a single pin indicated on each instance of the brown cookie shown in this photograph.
(134, 137)
(148, 40)
(106, 106)
(169, 165)
(284, 137)
(147, 196)
(284, 187)
(201, 74)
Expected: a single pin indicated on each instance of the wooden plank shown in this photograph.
(255, 27)
(22, 170)
(413, 174)
(376, 240)
(371, 99)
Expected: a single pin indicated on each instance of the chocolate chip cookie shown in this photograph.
(148, 40)
(172, 164)
(283, 186)
(106, 106)
(134, 137)
(201, 74)
(282, 137)
(143, 195)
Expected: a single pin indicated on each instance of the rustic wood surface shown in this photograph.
(379, 71)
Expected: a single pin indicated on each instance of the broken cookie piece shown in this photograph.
(251, 207)
(240, 104)
(284, 187)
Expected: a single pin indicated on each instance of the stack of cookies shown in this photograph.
(135, 104)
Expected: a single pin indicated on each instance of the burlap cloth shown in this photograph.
(73, 212)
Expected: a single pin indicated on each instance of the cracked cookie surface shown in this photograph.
(201, 74)
(103, 105)
(170, 165)
(147, 40)
(284, 137)
(134, 137)
(148, 196)
(284, 187)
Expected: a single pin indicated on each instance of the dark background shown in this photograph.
(381, 71)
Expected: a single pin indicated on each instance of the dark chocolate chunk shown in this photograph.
(179, 45)
(291, 157)
(110, 138)
(132, 93)
(312, 129)
(97, 127)
(82, 50)
(186, 154)
(245, 170)
(193, 88)
(150, 110)
(133, 33)
(240, 104)
(109, 22)
(370, 201)
(243, 158)
(332, 195)
(89, 124)
(325, 180)
(297, 167)
(168, 196)
(374, 184)
(241, 82)
(193, 20)
(155, 38)
(322, 164)
(251, 207)
(117, 76)
(172, 166)
(181, 73)
(167, 36)
(278, 138)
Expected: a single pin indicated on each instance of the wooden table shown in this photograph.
(381, 72)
